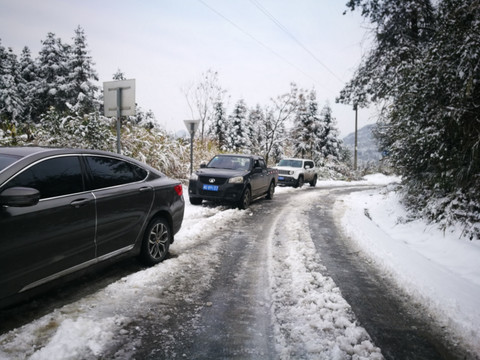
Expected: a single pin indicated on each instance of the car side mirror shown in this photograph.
(307, 167)
(203, 166)
(19, 197)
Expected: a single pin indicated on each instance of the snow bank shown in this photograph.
(440, 270)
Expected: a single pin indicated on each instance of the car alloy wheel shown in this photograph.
(156, 241)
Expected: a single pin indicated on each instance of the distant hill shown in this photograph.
(366, 145)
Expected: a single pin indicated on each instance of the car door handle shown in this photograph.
(77, 203)
(145, 188)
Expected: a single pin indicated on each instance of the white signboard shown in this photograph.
(192, 125)
(110, 89)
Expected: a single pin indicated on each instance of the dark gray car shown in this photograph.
(65, 210)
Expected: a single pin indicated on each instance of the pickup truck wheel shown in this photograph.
(313, 183)
(196, 201)
(271, 191)
(300, 182)
(245, 200)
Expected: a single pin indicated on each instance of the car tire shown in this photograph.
(156, 241)
(245, 200)
(313, 183)
(300, 182)
(196, 201)
(271, 191)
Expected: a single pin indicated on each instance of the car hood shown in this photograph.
(288, 168)
(223, 173)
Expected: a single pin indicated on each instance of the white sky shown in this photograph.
(167, 44)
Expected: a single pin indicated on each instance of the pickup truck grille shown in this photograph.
(218, 180)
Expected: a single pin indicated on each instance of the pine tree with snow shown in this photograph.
(29, 84)
(81, 90)
(256, 119)
(329, 144)
(52, 64)
(12, 105)
(303, 140)
(220, 125)
(119, 75)
(238, 135)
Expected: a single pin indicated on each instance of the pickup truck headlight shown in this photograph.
(194, 177)
(236, 180)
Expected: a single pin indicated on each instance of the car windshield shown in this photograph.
(6, 160)
(290, 163)
(229, 162)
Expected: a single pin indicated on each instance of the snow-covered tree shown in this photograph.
(256, 119)
(329, 144)
(53, 69)
(303, 139)
(424, 68)
(29, 84)
(80, 87)
(201, 98)
(238, 132)
(119, 75)
(278, 115)
(220, 125)
(12, 105)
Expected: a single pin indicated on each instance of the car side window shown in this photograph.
(52, 177)
(107, 172)
(262, 164)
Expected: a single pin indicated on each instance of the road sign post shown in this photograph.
(119, 100)
(192, 126)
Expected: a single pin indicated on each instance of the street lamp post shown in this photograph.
(192, 126)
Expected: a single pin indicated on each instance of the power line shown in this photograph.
(258, 41)
(285, 30)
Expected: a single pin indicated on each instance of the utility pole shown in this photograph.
(355, 107)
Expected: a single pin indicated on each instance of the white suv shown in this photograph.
(296, 172)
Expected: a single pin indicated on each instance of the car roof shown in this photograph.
(22, 151)
(297, 159)
(37, 152)
(241, 155)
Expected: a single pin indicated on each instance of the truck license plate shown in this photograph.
(210, 187)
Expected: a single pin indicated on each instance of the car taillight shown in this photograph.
(179, 189)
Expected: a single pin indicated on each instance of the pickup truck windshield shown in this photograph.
(229, 162)
(290, 163)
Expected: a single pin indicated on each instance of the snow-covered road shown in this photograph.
(287, 307)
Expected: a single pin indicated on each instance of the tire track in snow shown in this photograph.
(311, 319)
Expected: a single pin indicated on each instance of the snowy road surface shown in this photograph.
(239, 284)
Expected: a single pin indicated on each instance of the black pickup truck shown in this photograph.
(236, 179)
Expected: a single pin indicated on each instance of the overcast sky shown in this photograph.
(167, 44)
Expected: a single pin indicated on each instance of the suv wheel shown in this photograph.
(299, 182)
(313, 183)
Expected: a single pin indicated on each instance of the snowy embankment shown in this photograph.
(439, 269)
